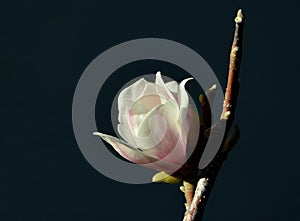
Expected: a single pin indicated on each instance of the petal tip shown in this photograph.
(182, 83)
(97, 134)
(158, 74)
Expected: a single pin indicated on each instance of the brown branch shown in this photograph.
(232, 88)
(209, 174)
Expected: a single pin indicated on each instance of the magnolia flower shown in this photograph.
(157, 125)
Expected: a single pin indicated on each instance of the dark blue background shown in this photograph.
(46, 45)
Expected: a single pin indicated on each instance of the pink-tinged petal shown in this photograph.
(163, 165)
(137, 156)
(194, 129)
(171, 148)
(134, 102)
(147, 102)
(132, 117)
(150, 101)
(150, 89)
(184, 106)
(126, 128)
(130, 153)
(126, 134)
(175, 157)
(133, 92)
(137, 107)
(124, 109)
(140, 109)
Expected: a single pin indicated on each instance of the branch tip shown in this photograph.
(214, 87)
(239, 17)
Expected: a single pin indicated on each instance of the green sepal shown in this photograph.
(231, 140)
(163, 177)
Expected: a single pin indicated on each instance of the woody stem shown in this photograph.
(209, 174)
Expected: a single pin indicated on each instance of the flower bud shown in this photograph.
(154, 122)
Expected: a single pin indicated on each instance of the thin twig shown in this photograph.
(234, 68)
(209, 174)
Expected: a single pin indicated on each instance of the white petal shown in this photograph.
(125, 150)
(182, 83)
(163, 90)
(128, 96)
(172, 86)
(136, 156)
(184, 107)
(147, 101)
(130, 102)
(133, 92)
(151, 130)
(126, 134)
(124, 109)
(171, 148)
(163, 165)
(126, 122)
(183, 96)
(138, 107)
